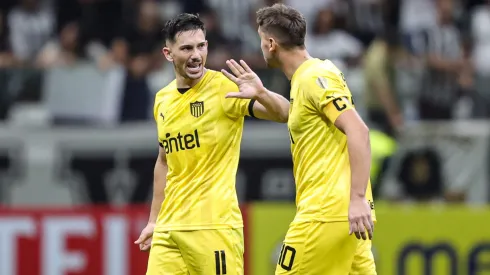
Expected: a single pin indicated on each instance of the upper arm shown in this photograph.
(162, 156)
(235, 107)
(329, 89)
(348, 120)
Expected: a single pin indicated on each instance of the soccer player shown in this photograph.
(195, 224)
(331, 154)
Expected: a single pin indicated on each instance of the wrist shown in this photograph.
(357, 195)
(261, 93)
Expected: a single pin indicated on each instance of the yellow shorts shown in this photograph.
(317, 248)
(200, 252)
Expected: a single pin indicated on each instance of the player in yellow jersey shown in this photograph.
(195, 224)
(331, 155)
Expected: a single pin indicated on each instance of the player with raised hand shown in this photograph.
(332, 230)
(195, 224)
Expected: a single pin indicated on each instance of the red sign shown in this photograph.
(74, 241)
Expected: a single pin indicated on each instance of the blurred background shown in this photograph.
(78, 143)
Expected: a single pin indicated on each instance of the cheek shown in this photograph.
(264, 48)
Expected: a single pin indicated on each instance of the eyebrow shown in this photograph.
(192, 45)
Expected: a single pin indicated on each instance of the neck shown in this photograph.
(291, 60)
(183, 82)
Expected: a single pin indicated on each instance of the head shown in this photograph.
(186, 46)
(148, 16)
(69, 36)
(324, 22)
(30, 5)
(281, 29)
(445, 10)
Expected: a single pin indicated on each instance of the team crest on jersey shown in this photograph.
(322, 82)
(197, 108)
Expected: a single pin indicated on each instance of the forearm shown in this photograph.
(276, 105)
(360, 161)
(159, 183)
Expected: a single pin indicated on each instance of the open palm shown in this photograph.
(247, 81)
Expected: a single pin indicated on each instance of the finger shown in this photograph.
(230, 76)
(369, 227)
(234, 95)
(366, 226)
(145, 247)
(355, 229)
(232, 67)
(351, 228)
(246, 67)
(238, 67)
(360, 231)
(363, 233)
(140, 240)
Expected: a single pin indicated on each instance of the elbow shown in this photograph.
(283, 119)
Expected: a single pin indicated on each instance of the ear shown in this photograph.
(168, 54)
(272, 45)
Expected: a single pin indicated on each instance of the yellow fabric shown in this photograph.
(201, 132)
(197, 252)
(320, 156)
(324, 248)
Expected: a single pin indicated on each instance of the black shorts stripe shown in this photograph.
(251, 108)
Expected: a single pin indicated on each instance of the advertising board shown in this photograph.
(409, 240)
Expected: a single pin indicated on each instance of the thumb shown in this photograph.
(143, 237)
(234, 95)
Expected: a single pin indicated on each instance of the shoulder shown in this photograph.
(319, 75)
(160, 95)
(223, 84)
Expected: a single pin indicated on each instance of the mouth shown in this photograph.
(194, 68)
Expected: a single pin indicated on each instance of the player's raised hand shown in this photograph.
(144, 240)
(360, 219)
(247, 81)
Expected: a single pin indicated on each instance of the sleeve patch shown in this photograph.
(322, 82)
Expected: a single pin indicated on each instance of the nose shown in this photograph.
(196, 56)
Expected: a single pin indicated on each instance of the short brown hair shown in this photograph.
(285, 23)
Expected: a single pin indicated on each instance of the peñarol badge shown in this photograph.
(197, 108)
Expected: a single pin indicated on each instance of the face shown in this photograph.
(188, 53)
(69, 36)
(269, 49)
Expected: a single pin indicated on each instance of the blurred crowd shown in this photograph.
(99, 61)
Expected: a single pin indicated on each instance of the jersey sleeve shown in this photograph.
(235, 107)
(329, 94)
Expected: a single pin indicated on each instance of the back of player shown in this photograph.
(331, 156)
(318, 241)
